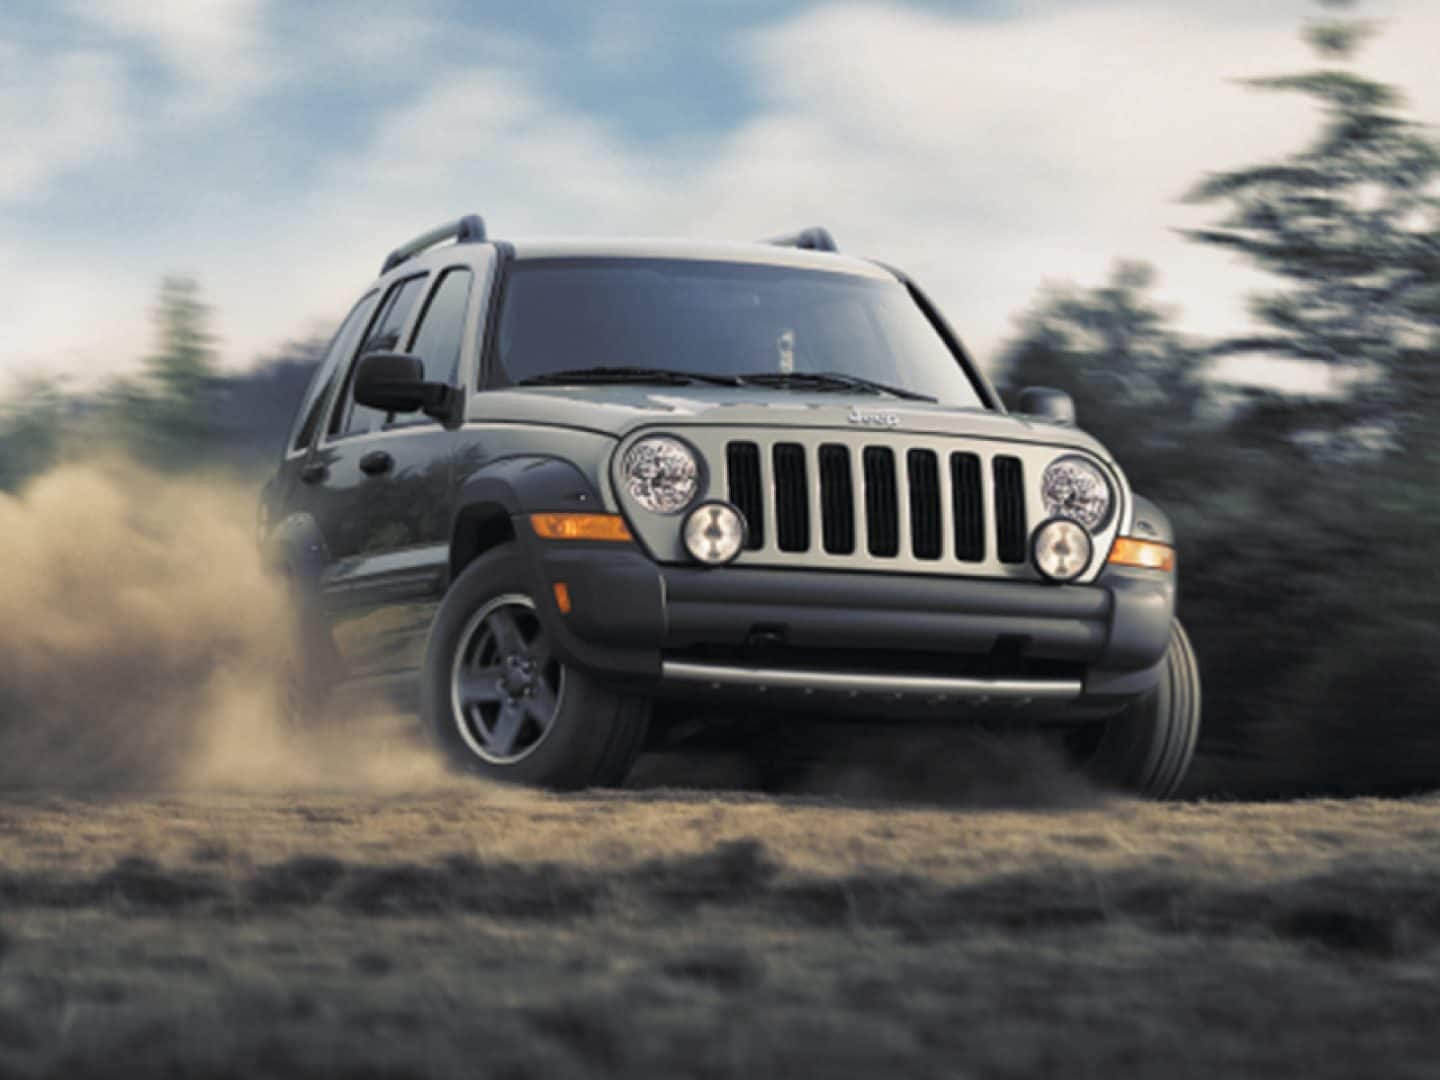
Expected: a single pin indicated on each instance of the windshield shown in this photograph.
(723, 319)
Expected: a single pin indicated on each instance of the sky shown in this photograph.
(276, 151)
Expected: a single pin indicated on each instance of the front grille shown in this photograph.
(882, 513)
(742, 461)
(927, 538)
(1009, 509)
(968, 507)
(837, 500)
(924, 506)
(792, 498)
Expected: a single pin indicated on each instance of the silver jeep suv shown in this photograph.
(573, 497)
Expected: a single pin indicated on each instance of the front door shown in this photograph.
(382, 491)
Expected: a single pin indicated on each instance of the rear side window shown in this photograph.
(312, 406)
(441, 331)
(350, 418)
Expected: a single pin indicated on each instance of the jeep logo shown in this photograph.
(874, 418)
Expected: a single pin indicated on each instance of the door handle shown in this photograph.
(313, 474)
(376, 463)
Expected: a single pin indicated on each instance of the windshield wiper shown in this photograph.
(604, 374)
(827, 380)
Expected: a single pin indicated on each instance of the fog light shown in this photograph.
(1061, 549)
(714, 533)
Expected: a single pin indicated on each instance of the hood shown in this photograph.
(619, 409)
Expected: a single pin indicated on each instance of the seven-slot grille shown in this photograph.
(880, 501)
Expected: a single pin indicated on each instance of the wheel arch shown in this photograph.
(491, 500)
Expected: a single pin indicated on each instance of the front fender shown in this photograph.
(527, 484)
(1151, 523)
(493, 506)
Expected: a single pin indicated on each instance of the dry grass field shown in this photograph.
(240, 902)
(445, 929)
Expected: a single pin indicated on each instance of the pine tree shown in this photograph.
(1350, 224)
(166, 415)
(32, 422)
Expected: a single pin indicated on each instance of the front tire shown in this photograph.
(502, 705)
(1147, 749)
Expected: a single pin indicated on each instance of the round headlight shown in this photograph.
(1061, 549)
(661, 474)
(1075, 488)
(714, 533)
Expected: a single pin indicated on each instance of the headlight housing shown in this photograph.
(1076, 488)
(661, 474)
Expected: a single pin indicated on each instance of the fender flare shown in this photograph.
(1151, 523)
(491, 506)
(488, 502)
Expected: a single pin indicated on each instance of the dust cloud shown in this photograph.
(139, 639)
(886, 761)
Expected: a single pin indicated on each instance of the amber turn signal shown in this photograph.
(580, 527)
(1143, 553)
(562, 598)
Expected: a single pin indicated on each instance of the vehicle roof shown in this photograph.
(707, 251)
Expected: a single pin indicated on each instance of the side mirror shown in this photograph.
(395, 382)
(1056, 406)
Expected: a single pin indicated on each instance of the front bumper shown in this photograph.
(634, 619)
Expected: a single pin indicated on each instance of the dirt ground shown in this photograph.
(457, 930)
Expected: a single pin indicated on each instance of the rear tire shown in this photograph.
(501, 705)
(1147, 749)
(304, 675)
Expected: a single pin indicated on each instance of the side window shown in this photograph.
(438, 338)
(312, 406)
(384, 334)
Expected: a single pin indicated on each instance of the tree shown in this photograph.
(1320, 559)
(1136, 382)
(165, 415)
(32, 421)
(1350, 224)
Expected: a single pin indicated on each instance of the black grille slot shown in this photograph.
(968, 507)
(927, 533)
(742, 460)
(882, 510)
(837, 500)
(792, 498)
(1009, 510)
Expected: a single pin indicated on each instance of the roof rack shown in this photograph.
(814, 238)
(470, 229)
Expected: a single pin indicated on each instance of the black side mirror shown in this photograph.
(1056, 406)
(395, 383)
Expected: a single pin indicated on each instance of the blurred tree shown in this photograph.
(1350, 224)
(1306, 521)
(1319, 552)
(1136, 383)
(165, 414)
(32, 421)
(254, 411)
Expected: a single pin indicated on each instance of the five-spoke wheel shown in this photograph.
(500, 697)
(505, 684)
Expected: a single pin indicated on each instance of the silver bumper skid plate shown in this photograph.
(854, 683)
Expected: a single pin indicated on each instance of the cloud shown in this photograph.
(216, 47)
(985, 156)
(58, 113)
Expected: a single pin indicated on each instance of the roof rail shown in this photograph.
(814, 238)
(470, 229)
